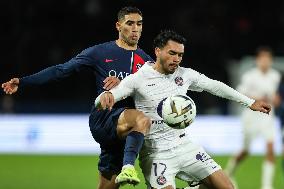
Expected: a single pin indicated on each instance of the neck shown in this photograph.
(121, 43)
(157, 67)
(264, 71)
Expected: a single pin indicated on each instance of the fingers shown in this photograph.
(14, 81)
(3, 85)
(268, 108)
(102, 102)
(261, 106)
(264, 110)
(108, 85)
(106, 79)
(111, 102)
(107, 101)
(7, 88)
(110, 82)
(11, 86)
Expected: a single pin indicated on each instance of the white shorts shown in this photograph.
(187, 161)
(257, 124)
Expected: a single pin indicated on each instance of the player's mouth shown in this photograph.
(134, 37)
(173, 66)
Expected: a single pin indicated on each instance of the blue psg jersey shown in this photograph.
(107, 59)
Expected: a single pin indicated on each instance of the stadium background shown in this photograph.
(38, 34)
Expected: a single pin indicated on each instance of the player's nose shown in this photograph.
(176, 59)
(135, 28)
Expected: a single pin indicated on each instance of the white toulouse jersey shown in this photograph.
(148, 87)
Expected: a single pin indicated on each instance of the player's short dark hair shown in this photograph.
(126, 11)
(262, 49)
(165, 35)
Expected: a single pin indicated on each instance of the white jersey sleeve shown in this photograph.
(125, 88)
(202, 82)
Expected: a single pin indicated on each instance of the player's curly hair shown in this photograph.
(128, 10)
(165, 35)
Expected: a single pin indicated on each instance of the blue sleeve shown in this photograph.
(54, 73)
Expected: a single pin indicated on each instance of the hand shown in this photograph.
(261, 106)
(106, 101)
(110, 82)
(11, 86)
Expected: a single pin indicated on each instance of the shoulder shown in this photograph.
(144, 54)
(145, 68)
(187, 69)
(189, 72)
(98, 49)
(141, 51)
(103, 46)
(250, 73)
(145, 72)
(275, 74)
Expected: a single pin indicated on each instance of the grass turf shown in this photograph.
(74, 172)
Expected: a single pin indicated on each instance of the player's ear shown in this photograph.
(118, 25)
(157, 51)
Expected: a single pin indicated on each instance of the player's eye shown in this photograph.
(129, 23)
(180, 55)
(139, 23)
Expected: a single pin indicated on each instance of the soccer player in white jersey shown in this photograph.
(168, 153)
(261, 82)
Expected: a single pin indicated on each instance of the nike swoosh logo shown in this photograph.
(108, 60)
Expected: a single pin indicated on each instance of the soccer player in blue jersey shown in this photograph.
(120, 130)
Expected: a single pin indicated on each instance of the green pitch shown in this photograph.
(80, 172)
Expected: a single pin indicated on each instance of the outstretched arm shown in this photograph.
(49, 74)
(222, 90)
(60, 71)
(83, 60)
